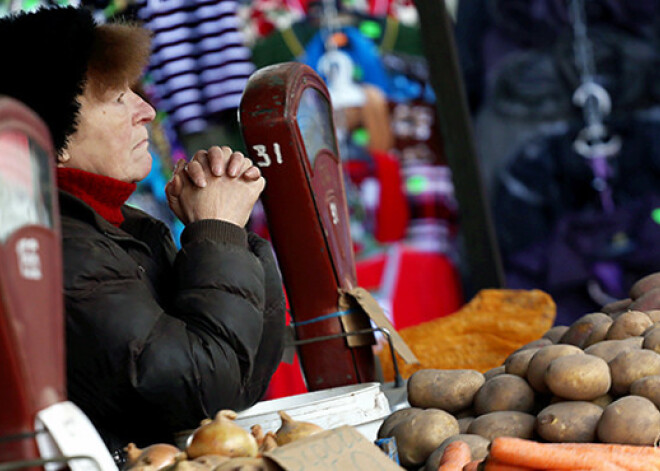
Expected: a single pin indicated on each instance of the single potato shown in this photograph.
(632, 420)
(518, 362)
(629, 324)
(418, 437)
(449, 390)
(630, 366)
(395, 418)
(578, 377)
(504, 424)
(502, 393)
(569, 421)
(587, 330)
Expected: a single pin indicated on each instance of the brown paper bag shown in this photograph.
(480, 335)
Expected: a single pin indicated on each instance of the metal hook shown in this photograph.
(593, 90)
(593, 142)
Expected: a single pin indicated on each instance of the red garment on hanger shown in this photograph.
(393, 214)
(427, 285)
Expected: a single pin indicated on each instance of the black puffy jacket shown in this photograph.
(159, 340)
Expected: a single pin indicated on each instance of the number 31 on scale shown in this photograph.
(266, 161)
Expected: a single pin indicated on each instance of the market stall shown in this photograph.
(487, 384)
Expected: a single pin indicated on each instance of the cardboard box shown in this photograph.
(341, 449)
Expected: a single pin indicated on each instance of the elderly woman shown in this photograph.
(156, 339)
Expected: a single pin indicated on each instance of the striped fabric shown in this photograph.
(199, 64)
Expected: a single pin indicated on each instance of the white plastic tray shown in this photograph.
(363, 406)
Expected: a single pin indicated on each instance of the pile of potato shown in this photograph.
(596, 380)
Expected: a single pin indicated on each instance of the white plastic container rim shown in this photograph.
(363, 406)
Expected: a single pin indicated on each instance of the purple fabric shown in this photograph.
(607, 250)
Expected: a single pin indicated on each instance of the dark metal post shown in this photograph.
(482, 254)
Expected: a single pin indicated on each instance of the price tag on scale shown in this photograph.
(70, 433)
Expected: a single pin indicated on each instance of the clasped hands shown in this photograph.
(215, 184)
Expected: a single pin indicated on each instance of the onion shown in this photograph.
(221, 436)
(155, 456)
(292, 430)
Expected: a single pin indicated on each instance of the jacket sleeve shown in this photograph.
(271, 346)
(137, 368)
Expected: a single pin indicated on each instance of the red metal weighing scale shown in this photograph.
(287, 124)
(38, 427)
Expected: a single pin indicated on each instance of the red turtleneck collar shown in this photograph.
(104, 194)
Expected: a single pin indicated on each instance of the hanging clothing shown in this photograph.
(530, 92)
(400, 278)
(488, 31)
(554, 234)
(199, 64)
(590, 258)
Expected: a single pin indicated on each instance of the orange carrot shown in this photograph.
(618, 456)
(603, 466)
(570, 456)
(636, 450)
(456, 455)
(472, 465)
(495, 465)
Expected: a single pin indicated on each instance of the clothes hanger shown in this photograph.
(338, 67)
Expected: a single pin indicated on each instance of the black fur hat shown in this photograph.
(45, 56)
(52, 55)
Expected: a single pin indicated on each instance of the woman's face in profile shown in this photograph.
(111, 138)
